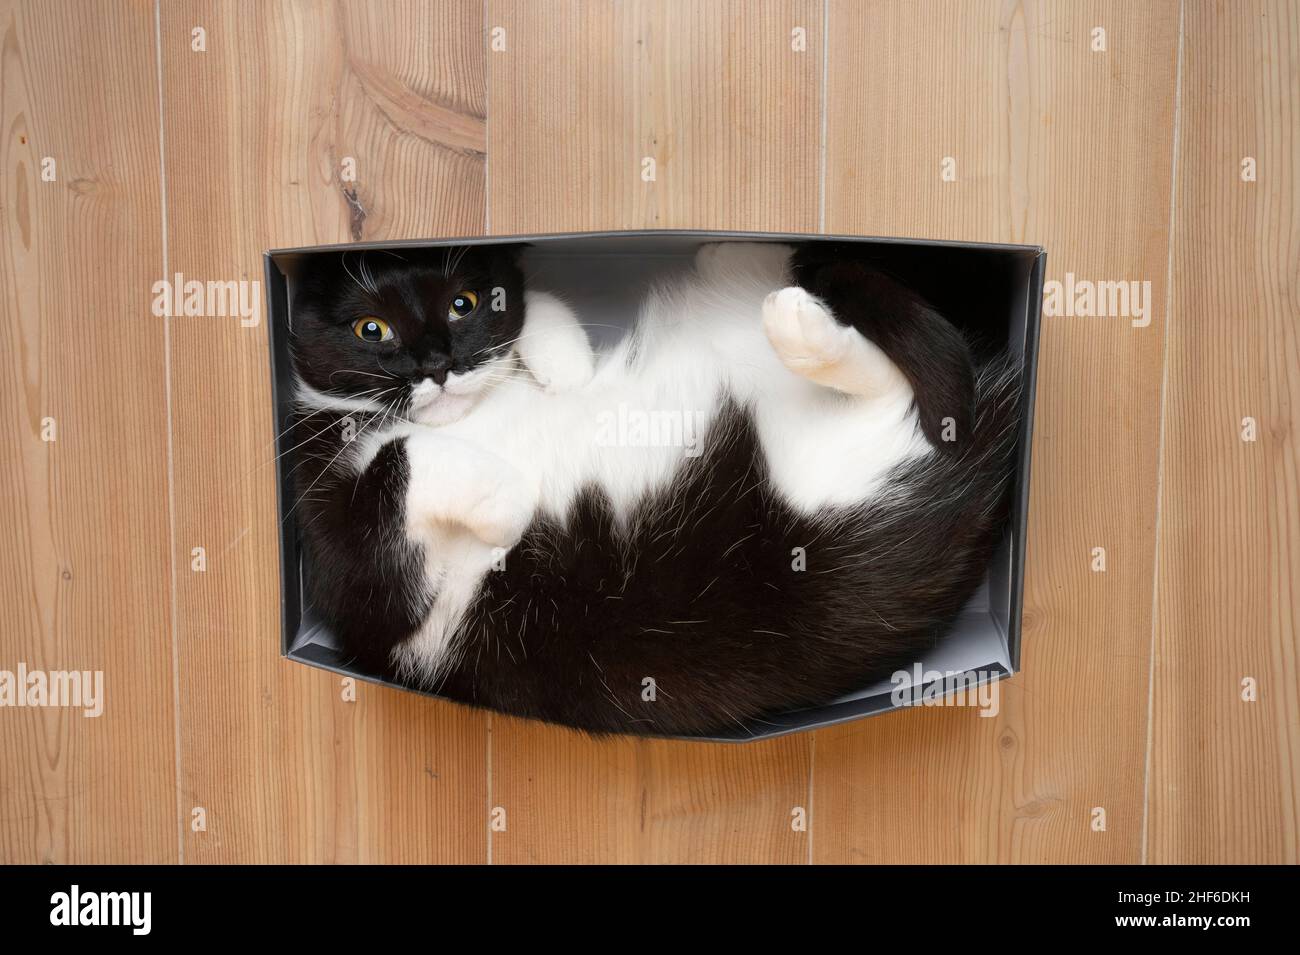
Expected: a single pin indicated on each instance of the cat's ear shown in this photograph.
(505, 261)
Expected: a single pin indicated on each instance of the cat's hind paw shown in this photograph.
(811, 343)
(803, 332)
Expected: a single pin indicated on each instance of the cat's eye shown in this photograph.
(462, 303)
(371, 329)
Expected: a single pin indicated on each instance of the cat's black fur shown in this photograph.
(699, 593)
(364, 577)
(412, 288)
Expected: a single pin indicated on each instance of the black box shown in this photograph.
(984, 644)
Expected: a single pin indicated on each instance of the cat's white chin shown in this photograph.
(435, 405)
(442, 409)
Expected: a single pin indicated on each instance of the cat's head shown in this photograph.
(422, 334)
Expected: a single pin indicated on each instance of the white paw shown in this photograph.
(454, 484)
(561, 368)
(553, 346)
(803, 332)
(497, 512)
(500, 518)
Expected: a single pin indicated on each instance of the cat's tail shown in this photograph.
(926, 348)
(965, 492)
(963, 499)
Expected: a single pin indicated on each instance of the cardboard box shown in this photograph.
(604, 275)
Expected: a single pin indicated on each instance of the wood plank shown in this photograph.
(257, 130)
(84, 574)
(1053, 144)
(715, 94)
(1225, 773)
(1058, 145)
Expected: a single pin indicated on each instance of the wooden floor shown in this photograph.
(1125, 739)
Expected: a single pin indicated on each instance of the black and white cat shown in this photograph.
(475, 525)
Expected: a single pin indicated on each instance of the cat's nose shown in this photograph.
(435, 369)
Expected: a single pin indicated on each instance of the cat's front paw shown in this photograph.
(501, 517)
(803, 332)
(561, 370)
(455, 484)
(496, 512)
(553, 346)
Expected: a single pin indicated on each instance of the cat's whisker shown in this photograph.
(300, 418)
(293, 424)
(525, 335)
(365, 274)
(353, 371)
(344, 260)
(460, 256)
(501, 346)
(391, 408)
(332, 425)
(329, 464)
(307, 440)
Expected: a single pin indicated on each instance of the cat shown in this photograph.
(827, 478)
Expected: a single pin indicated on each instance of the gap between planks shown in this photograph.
(1160, 438)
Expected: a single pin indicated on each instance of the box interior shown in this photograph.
(605, 277)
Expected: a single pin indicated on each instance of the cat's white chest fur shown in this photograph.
(635, 423)
(833, 417)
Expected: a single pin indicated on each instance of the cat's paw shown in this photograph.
(496, 511)
(561, 370)
(501, 517)
(453, 484)
(553, 346)
(803, 332)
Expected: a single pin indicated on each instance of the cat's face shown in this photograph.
(421, 333)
